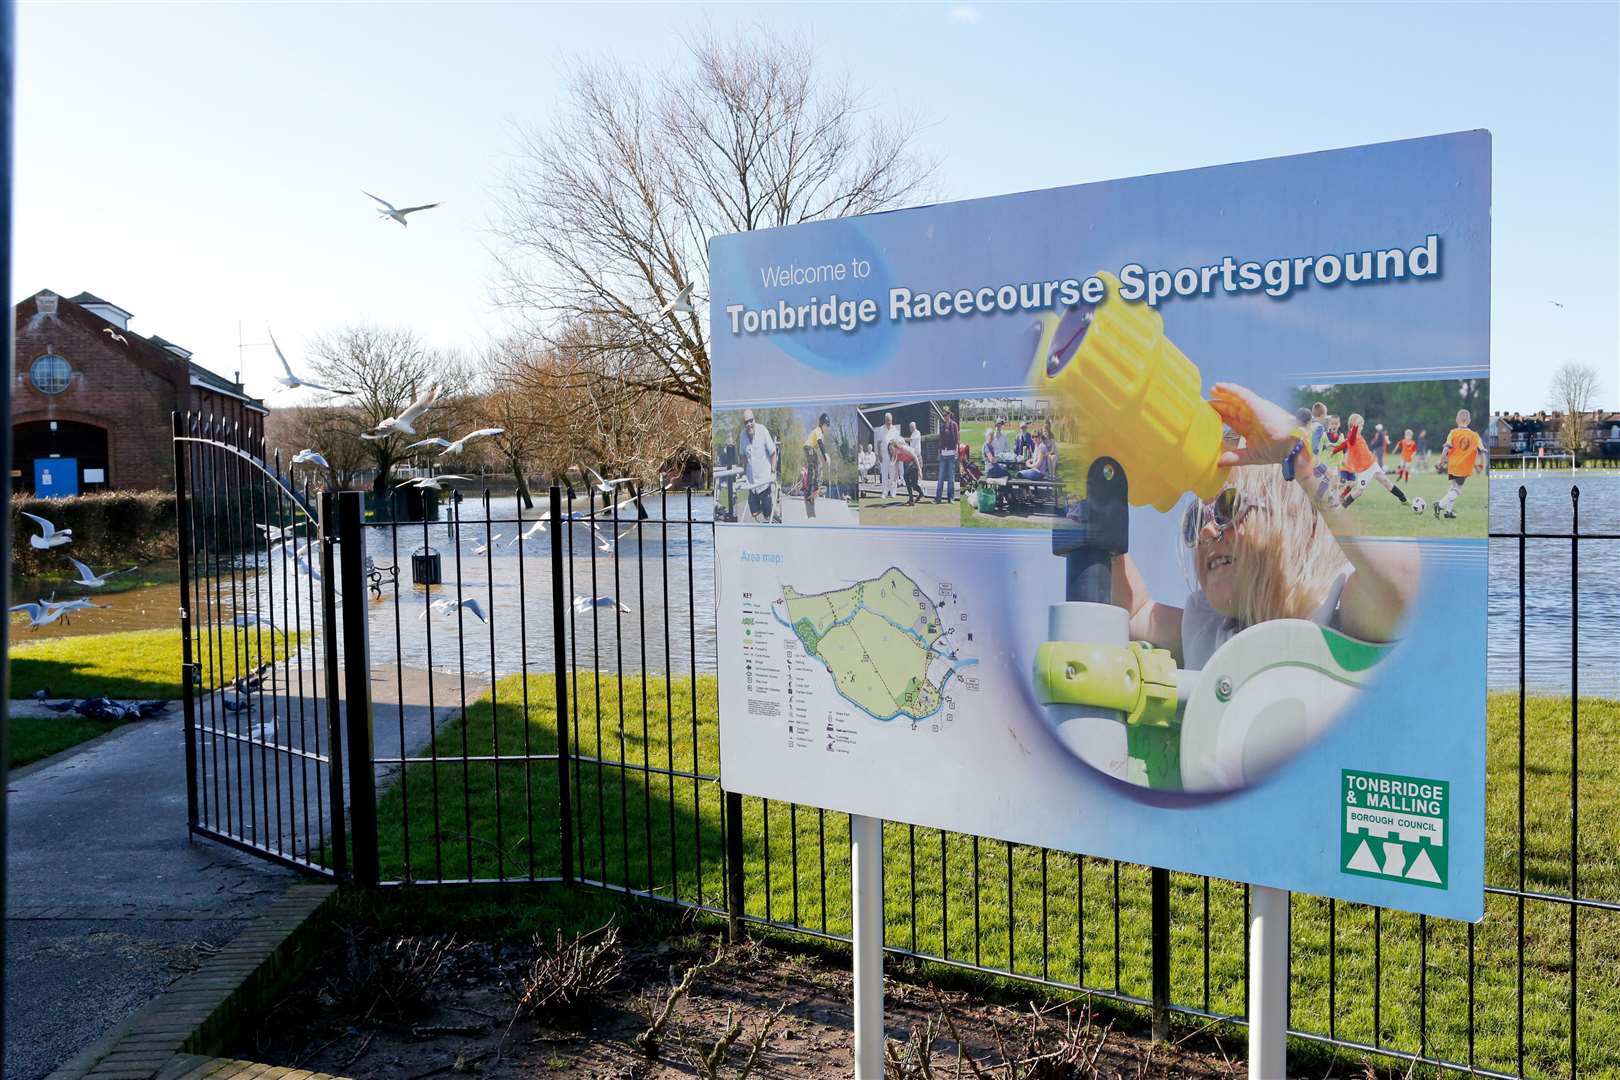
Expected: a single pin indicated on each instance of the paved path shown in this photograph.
(108, 901)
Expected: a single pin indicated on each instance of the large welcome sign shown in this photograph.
(1144, 519)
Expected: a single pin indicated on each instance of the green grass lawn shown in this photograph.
(644, 828)
(28, 739)
(132, 664)
(927, 514)
(1378, 513)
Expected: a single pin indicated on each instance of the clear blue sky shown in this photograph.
(200, 165)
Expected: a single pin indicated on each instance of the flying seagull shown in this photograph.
(405, 420)
(310, 457)
(483, 549)
(582, 604)
(89, 579)
(604, 544)
(531, 532)
(431, 483)
(398, 213)
(121, 339)
(681, 305)
(77, 604)
(447, 606)
(458, 445)
(51, 536)
(40, 614)
(604, 486)
(291, 381)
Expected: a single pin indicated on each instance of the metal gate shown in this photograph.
(261, 575)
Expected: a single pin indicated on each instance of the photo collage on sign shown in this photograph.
(781, 465)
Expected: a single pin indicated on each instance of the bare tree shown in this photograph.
(385, 370)
(503, 401)
(1573, 392)
(326, 429)
(609, 213)
(584, 410)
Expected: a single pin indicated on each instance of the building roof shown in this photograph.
(165, 343)
(154, 352)
(85, 299)
(219, 384)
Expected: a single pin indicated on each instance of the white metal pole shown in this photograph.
(1268, 983)
(866, 858)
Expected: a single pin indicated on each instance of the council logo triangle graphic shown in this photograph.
(1422, 868)
(1363, 860)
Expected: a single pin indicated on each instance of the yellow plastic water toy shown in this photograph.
(1135, 396)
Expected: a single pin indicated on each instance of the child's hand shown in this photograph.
(1266, 427)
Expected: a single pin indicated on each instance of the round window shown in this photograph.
(50, 374)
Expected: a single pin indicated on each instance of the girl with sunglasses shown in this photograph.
(1265, 548)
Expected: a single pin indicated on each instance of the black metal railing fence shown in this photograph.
(556, 723)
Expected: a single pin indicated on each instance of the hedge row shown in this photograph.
(109, 528)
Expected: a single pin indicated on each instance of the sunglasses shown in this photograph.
(1225, 511)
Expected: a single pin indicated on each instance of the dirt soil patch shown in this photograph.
(585, 1006)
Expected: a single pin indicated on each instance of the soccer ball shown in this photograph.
(1418, 505)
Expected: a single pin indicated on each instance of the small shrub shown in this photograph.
(566, 973)
(392, 981)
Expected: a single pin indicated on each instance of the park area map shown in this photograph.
(882, 640)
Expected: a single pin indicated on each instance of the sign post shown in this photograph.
(1268, 983)
(866, 873)
(1064, 527)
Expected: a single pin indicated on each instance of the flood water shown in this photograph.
(1550, 566)
(662, 571)
(664, 575)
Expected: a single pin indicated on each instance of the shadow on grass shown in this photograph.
(130, 664)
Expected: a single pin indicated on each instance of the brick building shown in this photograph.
(92, 399)
(1512, 434)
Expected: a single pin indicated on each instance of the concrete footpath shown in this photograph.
(108, 901)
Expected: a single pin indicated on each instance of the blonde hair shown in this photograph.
(1285, 557)
(1357, 420)
(1319, 410)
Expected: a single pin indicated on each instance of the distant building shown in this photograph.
(1510, 434)
(92, 399)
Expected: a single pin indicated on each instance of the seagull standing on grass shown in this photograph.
(405, 420)
(458, 445)
(291, 381)
(397, 213)
(89, 579)
(50, 536)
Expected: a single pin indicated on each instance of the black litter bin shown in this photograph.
(426, 567)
